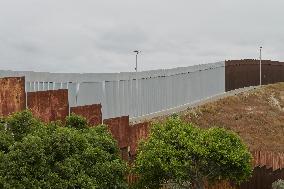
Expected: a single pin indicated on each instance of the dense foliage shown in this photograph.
(188, 156)
(36, 155)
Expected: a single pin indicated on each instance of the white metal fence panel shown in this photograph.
(133, 94)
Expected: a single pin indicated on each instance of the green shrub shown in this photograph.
(188, 156)
(22, 123)
(6, 140)
(2, 123)
(76, 121)
(36, 155)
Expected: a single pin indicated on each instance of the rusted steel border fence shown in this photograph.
(273, 160)
(144, 93)
(245, 73)
(12, 95)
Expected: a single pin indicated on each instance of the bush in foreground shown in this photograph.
(188, 156)
(35, 155)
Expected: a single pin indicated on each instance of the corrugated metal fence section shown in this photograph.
(12, 100)
(245, 73)
(272, 160)
(133, 94)
(269, 167)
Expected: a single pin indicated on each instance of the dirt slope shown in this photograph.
(257, 116)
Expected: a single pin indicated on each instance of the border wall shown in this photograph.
(149, 92)
(12, 95)
(136, 95)
(245, 73)
(49, 105)
(133, 94)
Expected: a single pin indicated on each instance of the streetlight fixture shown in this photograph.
(137, 52)
(260, 79)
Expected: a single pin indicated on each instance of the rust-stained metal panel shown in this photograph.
(119, 127)
(262, 178)
(124, 154)
(245, 73)
(93, 113)
(12, 95)
(49, 105)
(137, 132)
(273, 160)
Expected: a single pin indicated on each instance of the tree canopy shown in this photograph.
(38, 155)
(189, 156)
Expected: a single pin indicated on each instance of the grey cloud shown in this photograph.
(99, 36)
(121, 39)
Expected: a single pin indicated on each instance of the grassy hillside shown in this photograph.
(257, 116)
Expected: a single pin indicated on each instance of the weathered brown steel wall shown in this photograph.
(137, 132)
(273, 160)
(49, 105)
(93, 113)
(124, 154)
(245, 73)
(263, 178)
(127, 136)
(119, 127)
(12, 95)
(269, 167)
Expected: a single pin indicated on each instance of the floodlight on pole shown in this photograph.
(260, 58)
(137, 52)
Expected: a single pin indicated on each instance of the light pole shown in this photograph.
(260, 74)
(137, 52)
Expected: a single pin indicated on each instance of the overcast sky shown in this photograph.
(100, 35)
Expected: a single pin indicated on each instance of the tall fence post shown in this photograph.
(104, 102)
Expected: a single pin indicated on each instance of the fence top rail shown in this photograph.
(100, 77)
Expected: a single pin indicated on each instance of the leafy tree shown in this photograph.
(76, 121)
(22, 123)
(188, 156)
(52, 156)
(6, 140)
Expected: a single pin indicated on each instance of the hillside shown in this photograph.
(257, 116)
